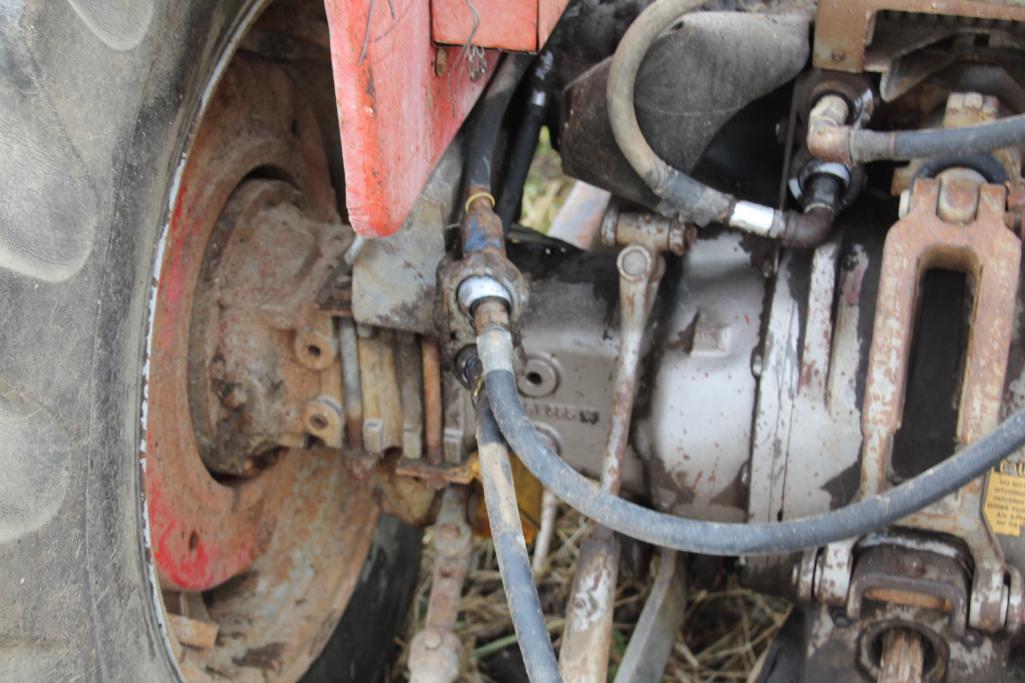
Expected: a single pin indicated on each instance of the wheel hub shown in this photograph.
(259, 349)
(250, 516)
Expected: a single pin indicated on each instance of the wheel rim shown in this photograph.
(269, 560)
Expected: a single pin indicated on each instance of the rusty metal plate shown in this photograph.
(844, 28)
(205, 531)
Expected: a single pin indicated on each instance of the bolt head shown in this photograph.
(840, 618)
(236, 397)
(634, 262)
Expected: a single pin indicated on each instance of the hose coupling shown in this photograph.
(829, 136)
(483, 274)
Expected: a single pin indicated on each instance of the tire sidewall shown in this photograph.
(113, 119)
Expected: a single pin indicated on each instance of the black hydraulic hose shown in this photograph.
(701, 203)
(488, 121)
(511, 551)
(522, 152)
(713, 538)
(692, 200)
(519, 167)
(868, 145)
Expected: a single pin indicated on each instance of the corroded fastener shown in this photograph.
(656, 233)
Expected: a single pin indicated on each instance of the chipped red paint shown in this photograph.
(548, 14)
(396, 114)
(401, 99)
(204, 531)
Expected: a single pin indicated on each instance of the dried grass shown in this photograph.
(723, 635)
(546, 188)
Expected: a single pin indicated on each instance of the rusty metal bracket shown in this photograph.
(588, 633)
(435, 650)
(990, 254)
(652, 641)
(914, 578)
(844, 29)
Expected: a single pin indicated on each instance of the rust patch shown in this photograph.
(844, 28)
(990, 254)
(266, 658)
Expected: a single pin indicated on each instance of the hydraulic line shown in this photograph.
(522, 152)
(692, 200)
(511, 550)
(494, 345)
(703, 203)
(833, 142)
(488, 121)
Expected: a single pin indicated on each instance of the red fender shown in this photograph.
(401, 98)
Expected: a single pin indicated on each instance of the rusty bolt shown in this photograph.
(634, 263)
(1015, 205)
(235, 397)
(838, 56)
(959, 195)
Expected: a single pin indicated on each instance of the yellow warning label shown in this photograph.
(1005, 499)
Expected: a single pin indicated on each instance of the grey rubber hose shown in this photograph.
(730, 539)
(700, 203)
(511, 551)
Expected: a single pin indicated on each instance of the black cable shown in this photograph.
(696, 201)
(488, 121)
(714, 538)
(522, 152)
(691, 200)
(511, 551)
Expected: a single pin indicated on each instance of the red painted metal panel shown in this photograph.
(548, 14)
(519, 25)
(508, 25)
(396, 114)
